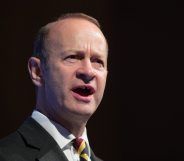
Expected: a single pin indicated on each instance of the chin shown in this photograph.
(84, 111)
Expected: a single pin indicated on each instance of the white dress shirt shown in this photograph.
(61, 135)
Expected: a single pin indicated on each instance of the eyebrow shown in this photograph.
(81, 52)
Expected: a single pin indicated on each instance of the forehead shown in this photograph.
(74, 24)
(76, 32)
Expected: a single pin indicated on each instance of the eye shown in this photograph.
(72, 58)
(98, 62)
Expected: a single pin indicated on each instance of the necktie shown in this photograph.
(81, 148)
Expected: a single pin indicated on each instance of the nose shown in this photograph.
(86, 72)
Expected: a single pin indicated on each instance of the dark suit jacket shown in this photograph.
(32, 143)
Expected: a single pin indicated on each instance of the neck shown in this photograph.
(77, 131)
(74, 124)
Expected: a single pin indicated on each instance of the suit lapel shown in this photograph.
(52, 155)
(37, 138)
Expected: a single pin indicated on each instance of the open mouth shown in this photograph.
(84, 90)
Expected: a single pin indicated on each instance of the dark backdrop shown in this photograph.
(140, 118)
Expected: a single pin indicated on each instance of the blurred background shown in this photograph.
(141, 115)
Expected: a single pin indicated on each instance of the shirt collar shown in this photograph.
(60, 134)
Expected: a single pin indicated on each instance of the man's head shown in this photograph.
(69, 68)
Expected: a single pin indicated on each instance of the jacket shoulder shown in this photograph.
(10, 145)
(15, 147)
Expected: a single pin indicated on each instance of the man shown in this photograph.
(69, 70)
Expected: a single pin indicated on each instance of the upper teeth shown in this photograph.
(83, 87)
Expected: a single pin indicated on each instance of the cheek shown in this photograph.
(54, 81)
(101, 82)
(60, 75)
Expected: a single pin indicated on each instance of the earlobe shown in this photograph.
(35, 71)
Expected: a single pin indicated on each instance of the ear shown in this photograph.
(35, 71)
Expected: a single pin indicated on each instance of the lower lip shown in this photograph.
(85, 99)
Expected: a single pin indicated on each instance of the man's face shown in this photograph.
(76, 70)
